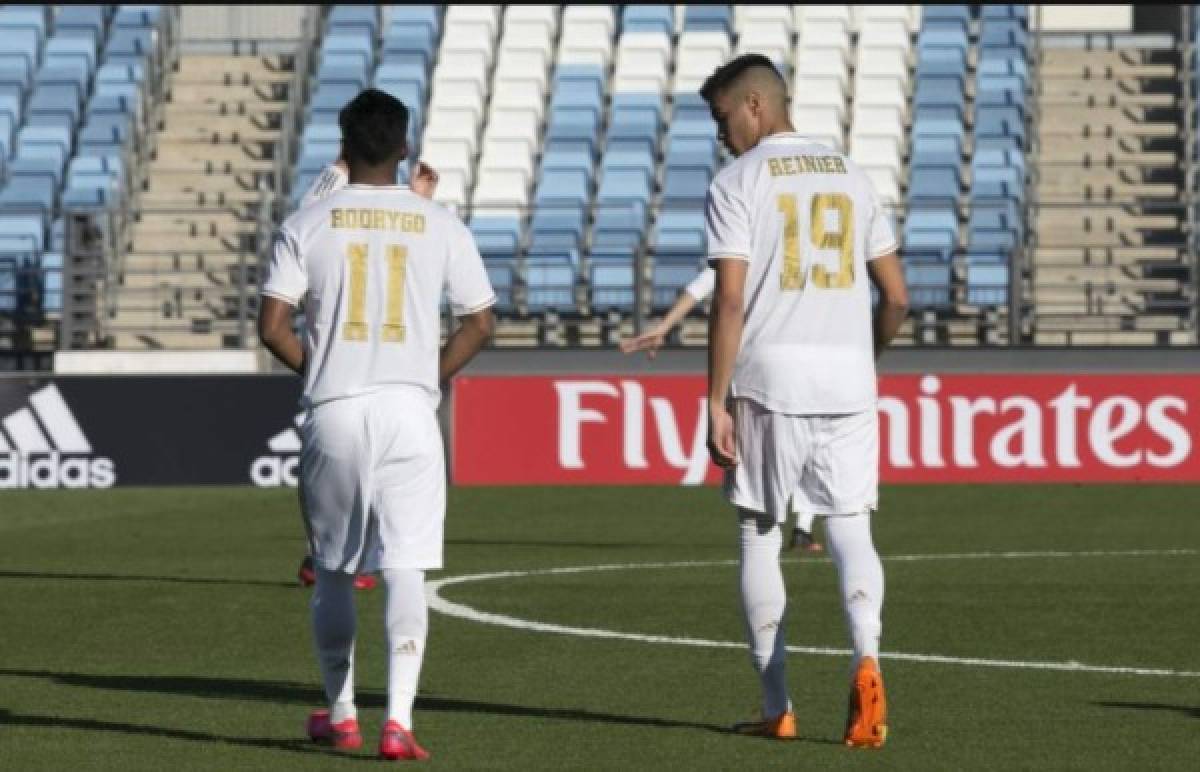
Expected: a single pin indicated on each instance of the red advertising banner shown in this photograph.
(934, 428)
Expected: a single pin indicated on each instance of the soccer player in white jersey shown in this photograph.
(331, 179)
(697, 291)
(794, 232)
(370, 262)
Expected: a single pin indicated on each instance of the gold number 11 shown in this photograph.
(355, 327)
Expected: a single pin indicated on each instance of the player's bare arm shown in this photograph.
(724, 338)
(652, 340)
(473, 332)
(276, 333)
(888, 276)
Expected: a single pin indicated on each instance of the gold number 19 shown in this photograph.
(355, 327)
(794, 273)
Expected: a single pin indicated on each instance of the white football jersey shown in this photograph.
(807, 220)
(329, 180)
(371, 263)
(702, 286)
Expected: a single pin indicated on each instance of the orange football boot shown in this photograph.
(782, 727)
(866, 724)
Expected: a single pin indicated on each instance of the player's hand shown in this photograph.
(424, 180)
(650, 342)
(722, 442)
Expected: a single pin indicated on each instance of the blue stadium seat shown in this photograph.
(987, 282)
(130, 45)
(1000, 33)
(997, 181)
(708, 18)
(648, 18)
(35, 168)
(496, 236)
(928, 283)
(624, 185)
(24, 18)
(359, 19)
(136, 16)
(959, 14)
(568, 155)
(612, 284)
(670, 276)
(556, 226)
(52, 282)
(8, 284)
(562, 187)
(685, 187)
(550, 282)
(619, 227)
(22, 232)
(81, 20)
(989, 11)
(500, 274)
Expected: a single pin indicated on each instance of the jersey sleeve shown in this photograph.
(287, 278)
(330, 179)
(467, 281)
(703, 285)
(726, 221)
(882, 235)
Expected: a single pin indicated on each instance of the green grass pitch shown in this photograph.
(162, 629)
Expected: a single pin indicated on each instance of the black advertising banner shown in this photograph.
(97, 432)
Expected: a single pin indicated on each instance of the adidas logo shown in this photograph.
(282, 466)
(42, 446)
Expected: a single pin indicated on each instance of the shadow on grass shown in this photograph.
(1191, 712)
(297, 745)
(469, 542)
(136, 578)
(292, 693)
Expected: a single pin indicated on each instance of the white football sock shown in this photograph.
(861, 579)
(333, 623)
(407, 621)
(764, 600)
(804, 522)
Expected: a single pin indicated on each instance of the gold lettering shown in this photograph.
(355, 327)
(842, 239)
(839, 166)
(789, 165)
(773, 165)
(336, 218)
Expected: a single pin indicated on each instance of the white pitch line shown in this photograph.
(462, 611)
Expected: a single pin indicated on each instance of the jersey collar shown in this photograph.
(362, 186)
(785, 136)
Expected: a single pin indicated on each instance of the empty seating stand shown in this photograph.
(73, 119)
(995, 229)
(939, 120)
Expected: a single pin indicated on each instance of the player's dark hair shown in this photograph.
(374, 126)
(727, 74)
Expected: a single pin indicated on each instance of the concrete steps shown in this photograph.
(197, 230)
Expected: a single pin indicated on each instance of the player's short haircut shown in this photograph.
(374, 126)
(731, 72)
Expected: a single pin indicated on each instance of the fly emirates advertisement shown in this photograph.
(933, 428)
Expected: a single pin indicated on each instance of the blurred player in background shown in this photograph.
(333, 178)
(794, 230)
(697, 291)
(370, 261)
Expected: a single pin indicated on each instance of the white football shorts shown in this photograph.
(822, 464)
(373, 482)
